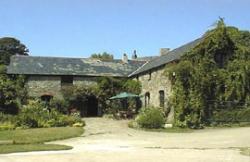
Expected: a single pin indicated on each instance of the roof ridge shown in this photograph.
(172, 55)
(60, 57)
(51, 57)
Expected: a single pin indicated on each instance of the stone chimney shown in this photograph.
(164, 51)
(125, 58)
(134, 55)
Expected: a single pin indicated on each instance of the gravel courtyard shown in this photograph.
(112, 141)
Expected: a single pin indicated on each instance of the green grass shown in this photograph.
(4, 149)
(169, 130)
(33, 139)
(245, 151)
(228, 125)
(40, 135)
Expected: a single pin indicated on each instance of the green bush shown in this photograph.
(132, 124)
(60, 105)
(232, 116)
(6, 118)
(150, 118)
(244, 115)
(35, 115)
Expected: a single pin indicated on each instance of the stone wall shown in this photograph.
(40, 85)
(85, 81)
(153, 82)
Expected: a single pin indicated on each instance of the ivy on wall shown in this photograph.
(216, 70)
(106, 87)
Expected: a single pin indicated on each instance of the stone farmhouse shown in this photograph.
(47, 75)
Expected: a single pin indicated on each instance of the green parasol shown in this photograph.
(124, 95)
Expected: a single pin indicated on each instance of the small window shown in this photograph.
(66, 80)
(220, 60)
(137, 77)
(46, 97)
(161, 98)
(149, 76)
(147, 99)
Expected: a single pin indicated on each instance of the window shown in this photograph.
(147, 99)
(149, 76)
(137, 77)
(66, 80)
(219, 59)
(46, 97)
(161, 98)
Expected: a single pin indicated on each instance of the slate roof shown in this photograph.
(146, 58)
(33, 65)
(169, 57)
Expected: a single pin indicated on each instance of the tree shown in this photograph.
(132, 86)
(12, 91)
(11, 46)
(8, 95)
(102, 56)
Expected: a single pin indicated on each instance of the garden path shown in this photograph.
(112, 141)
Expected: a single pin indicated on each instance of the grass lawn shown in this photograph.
(33, 139)
(245, 151)
(4, 149)
(169, 130)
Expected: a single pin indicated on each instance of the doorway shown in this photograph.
(92, 106)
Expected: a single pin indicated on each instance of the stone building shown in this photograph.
(47, 75)
(156, 87)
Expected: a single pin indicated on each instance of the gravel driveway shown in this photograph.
(112, 141)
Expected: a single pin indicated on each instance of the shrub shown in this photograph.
(244, 115)
(132, 124)
(232, 116)
(34, 115)
(7, 126)
(150, 118)
(60, 105)
(6, 118)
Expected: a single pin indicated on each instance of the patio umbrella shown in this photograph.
(124, 98)
(124, 95)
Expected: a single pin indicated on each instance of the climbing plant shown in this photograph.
(215, 71)
(106, 87)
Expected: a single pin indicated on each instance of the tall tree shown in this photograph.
(12, 91)
(11, 46)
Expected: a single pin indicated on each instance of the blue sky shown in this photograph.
(78, 28)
